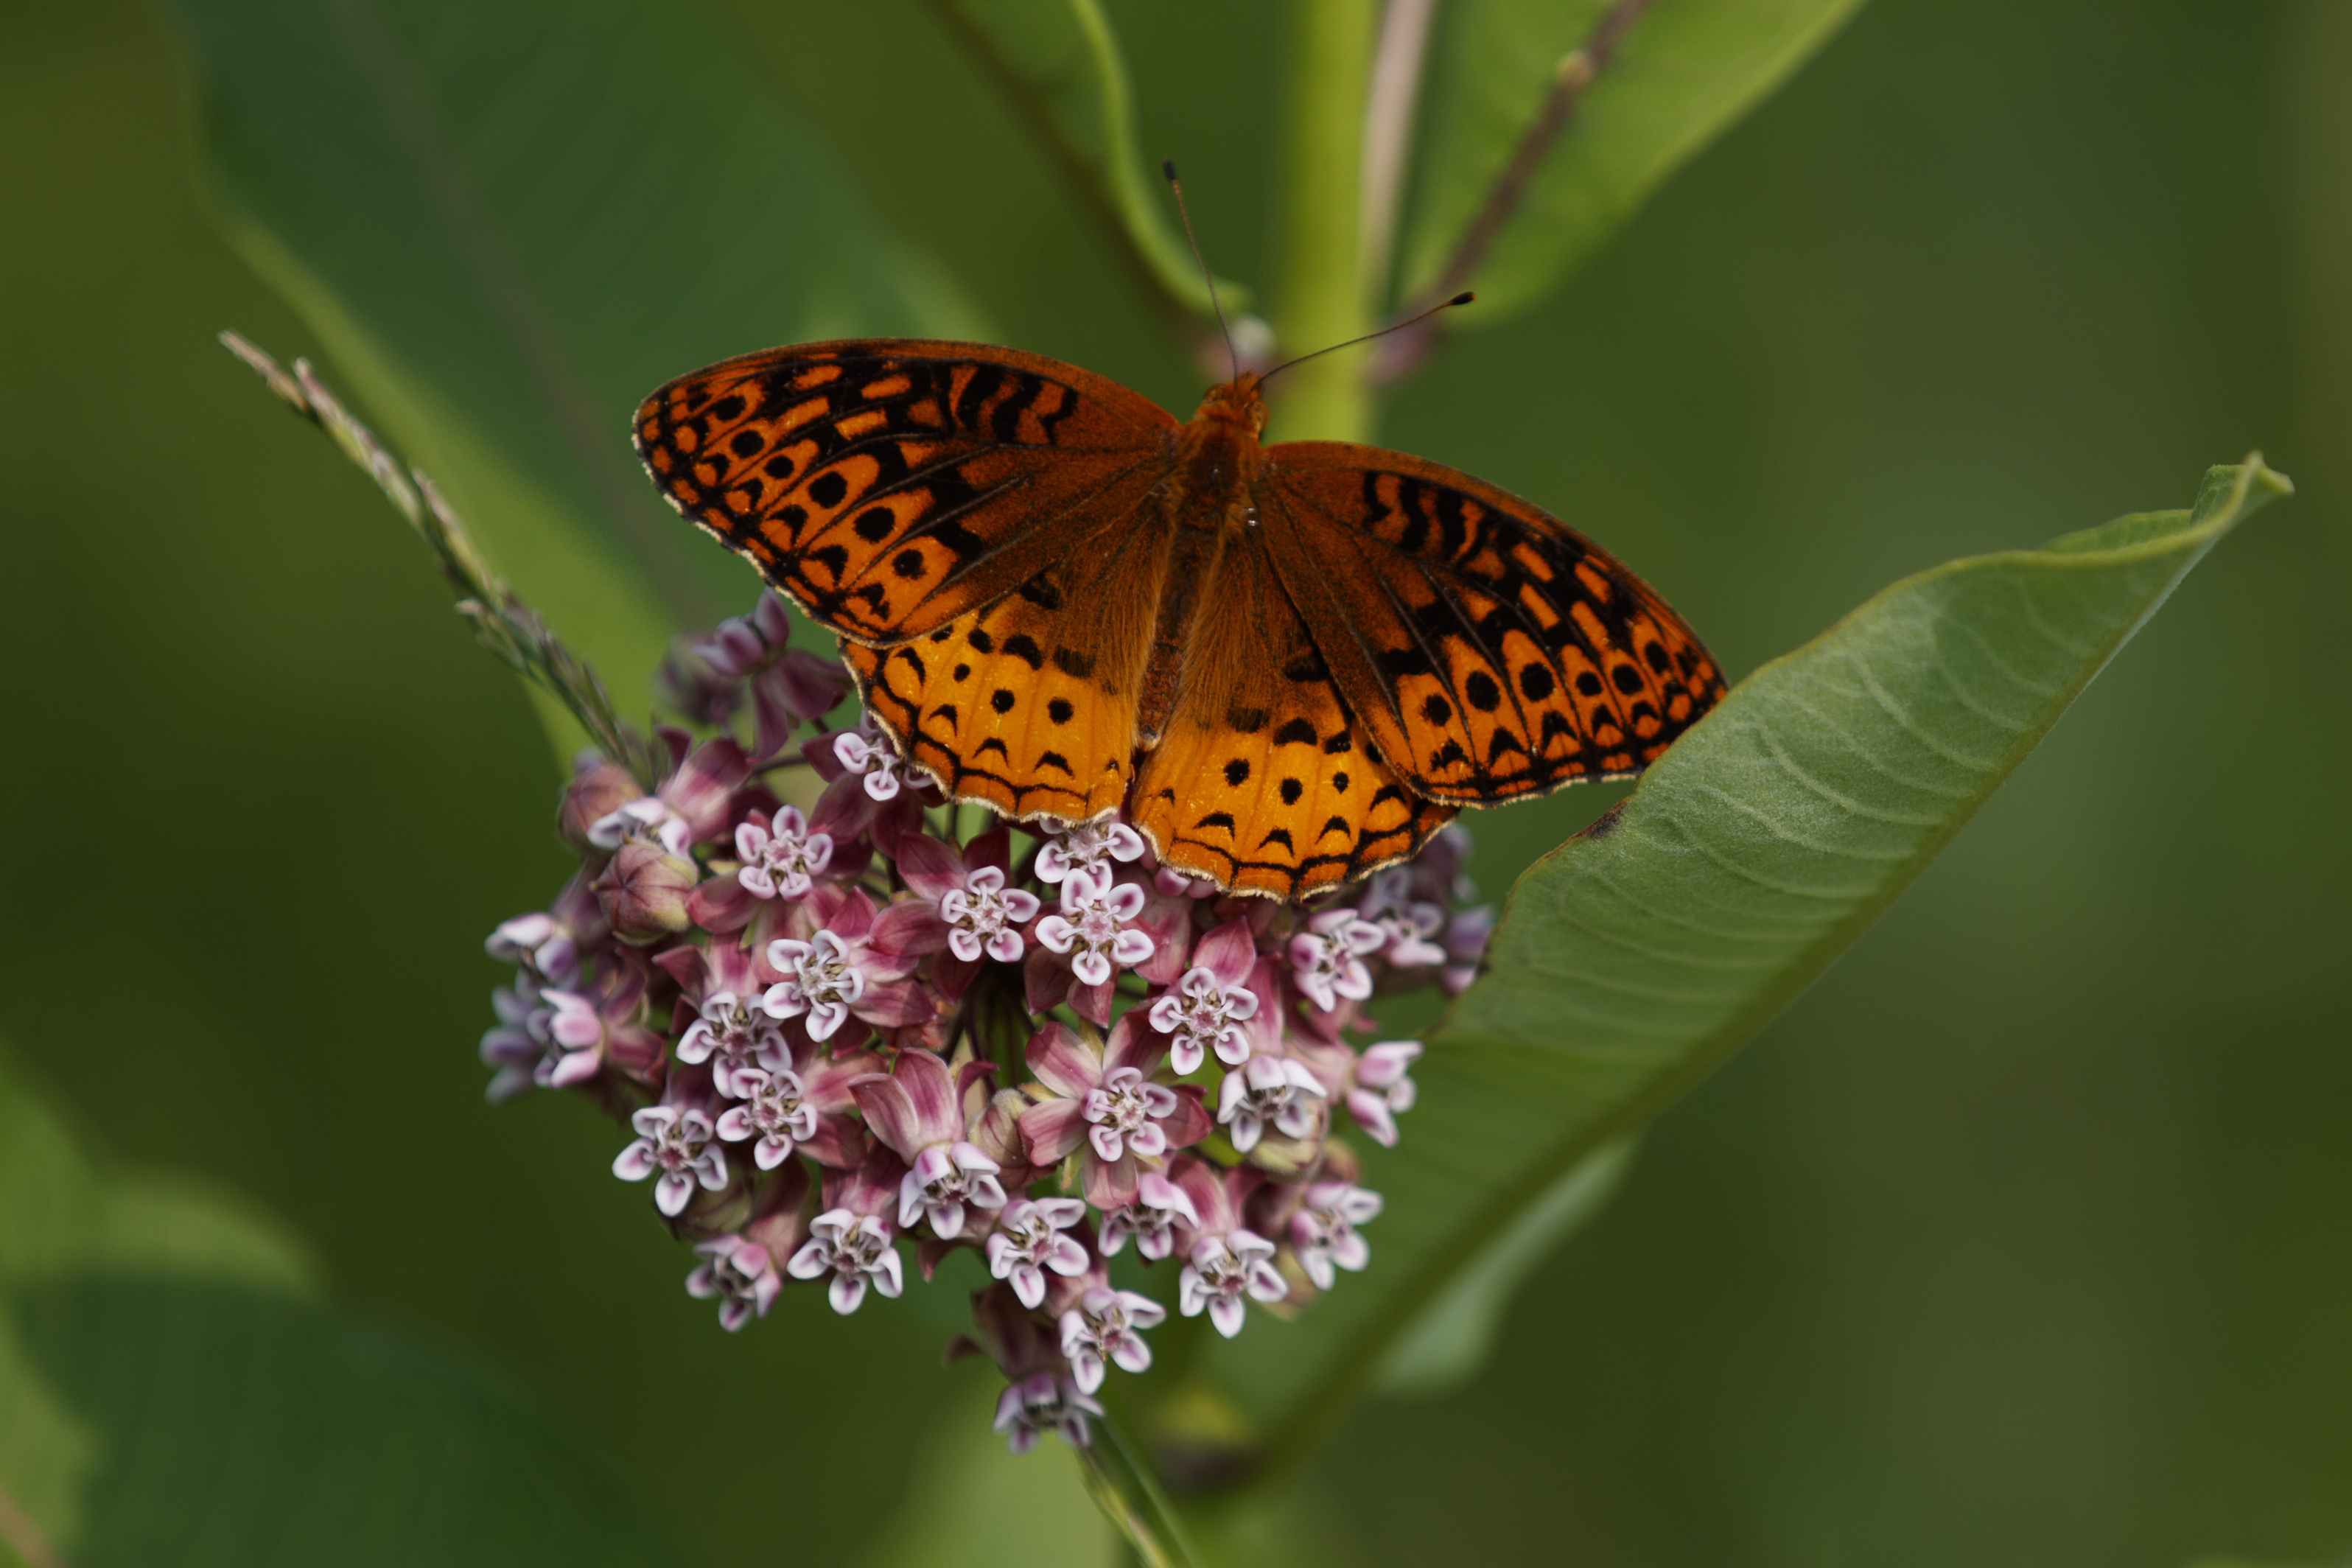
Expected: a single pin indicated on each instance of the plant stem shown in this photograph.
(1321, 294)
(1120, 1480)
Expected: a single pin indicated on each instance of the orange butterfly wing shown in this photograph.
(1030, 704)
(1262, 781)
(891, 486)
(1491, 651)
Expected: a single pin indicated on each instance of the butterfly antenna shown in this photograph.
(1168, 167)
(1464, 298)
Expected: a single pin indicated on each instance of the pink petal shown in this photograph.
(954, 975)
(896, 1005)
(1229, 952)
(932, 869)
(1050, 1130)
(1063, 1063)
(909, 927)
(1109, 1184)
(1132, 1045)
(932, 1097)
(993, 847)
(1371, 1113)
(890, 1112)
(704, 784)
(1092, 1003)
(1188, 1122)
(1046, 980)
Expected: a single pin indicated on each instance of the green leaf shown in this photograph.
(1685, 71)
(973, 1504)
(1448, 1340)
(170, 1394)
(1632, 960)
(1059, 63)
(509, 223)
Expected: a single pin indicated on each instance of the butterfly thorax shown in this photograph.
(1208, 498)
(1216, 457)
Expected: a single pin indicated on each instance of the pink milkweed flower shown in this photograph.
(1382, 1092)
(1406, 923)
(675, 1144)
(835, 967)
(1096, 928)
(1104, 1097)
(1326, 959)
(776, 1112)
(1466, 947)
(731, 1028)
(1029, 1239)
(780, 855)
(957, 900)
(555, 1037)
(740, 1274)
(689, 806)
(1107, 1326)
(1088, 850)
(598, 787)
(787, 684)
(851, 1239)
(1268, 1089)
(1209, 1003)
(799, 1101)
(1227, 1265)
(1045, 1402)
(821, 981)
(870, 753)
(1160, 1207)
(1323, 1229)
(918, 1110)
(537, 942)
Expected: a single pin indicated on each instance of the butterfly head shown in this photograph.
(1235, 402)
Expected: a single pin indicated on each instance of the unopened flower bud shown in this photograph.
(643, 892)
(696, 686)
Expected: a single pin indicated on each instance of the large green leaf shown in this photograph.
(510, 222)
(1633, 959)
(1685, 71)
(1059, 63)
(170, 1394)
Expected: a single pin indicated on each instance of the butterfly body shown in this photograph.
(1289, 665)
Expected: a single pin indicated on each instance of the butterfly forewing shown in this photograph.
(1490, 651)
(1262, 781)
(892, 486)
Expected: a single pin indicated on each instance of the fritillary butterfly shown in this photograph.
(1290, 665)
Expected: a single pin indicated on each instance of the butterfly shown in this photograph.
(1289, 665)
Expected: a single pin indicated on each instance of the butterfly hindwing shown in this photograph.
(892, 486)
(1489, 650)
(1263, 780)
(1029, 705)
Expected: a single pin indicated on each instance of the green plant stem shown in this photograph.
(1120, 1478)
(1321, 293)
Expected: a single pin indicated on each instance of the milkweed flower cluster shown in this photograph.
(851, 1029)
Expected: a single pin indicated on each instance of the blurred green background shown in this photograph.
(2025, 1237)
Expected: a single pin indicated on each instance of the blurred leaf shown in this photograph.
(1633, 959)
(1686, 70)
(1448, 1341)
(1059, 62)
(168, 1395)
(509, 222)
(973, 1504)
